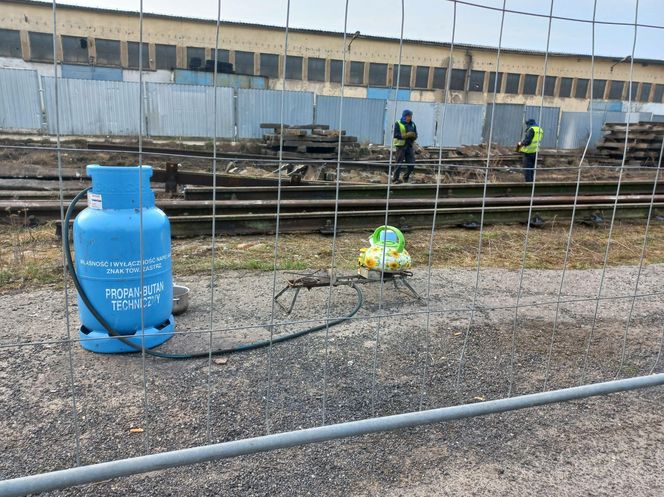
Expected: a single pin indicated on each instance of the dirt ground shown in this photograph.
(605, 446)
(32, 257)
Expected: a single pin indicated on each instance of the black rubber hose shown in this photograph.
(198, 355)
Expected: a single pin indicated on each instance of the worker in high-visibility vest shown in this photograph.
(529, 147)
(405, 134)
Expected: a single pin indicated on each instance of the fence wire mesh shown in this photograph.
(489, 319)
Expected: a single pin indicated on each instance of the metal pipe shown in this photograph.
(124, 467)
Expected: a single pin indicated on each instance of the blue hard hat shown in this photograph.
(531, 122)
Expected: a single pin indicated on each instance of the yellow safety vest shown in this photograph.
(400, 142)
(534, 145)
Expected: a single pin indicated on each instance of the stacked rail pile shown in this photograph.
(644, 143)
(314, 141)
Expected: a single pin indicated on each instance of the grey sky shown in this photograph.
(432, 20)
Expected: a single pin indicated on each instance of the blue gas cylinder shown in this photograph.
(108, 261)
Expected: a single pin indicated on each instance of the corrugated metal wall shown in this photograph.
(635, 117)
(91, 72)
(19, 99)
(424, 116)
(612, 116)
(93, 107)
(575, 129)
(575, 126)
(507, 124)
(89, 107)
(461, 124)
(264, 106)
(361, 117)
(200, 78)
(548, 122)
(403, 95)
(188, 110)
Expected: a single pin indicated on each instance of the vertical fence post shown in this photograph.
(146, 108)
(314, 113)
(42, 104)
(236, 109)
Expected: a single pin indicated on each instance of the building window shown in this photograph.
(132, 53)
(616, 90)
(492, 82)
(75, 50)
(404, 76)
(530, 84)
(315, 69)
(108, 52)
(223, 62)
(458, 79)
(476, 81)
(336, 68)
(439, 74)
(377, 74)
(422, 77)
(512, 83)
(270, 65)
(581, 88)
(645, 92)
(166, 58)
(10, 43)
(599, 85)
(565, 87)
(659, 93)
(549, 86)
(293, 67)
(244, 63)
(41, 46)
(633, 90)
(356, 73)
(195, 57)
(222, 55)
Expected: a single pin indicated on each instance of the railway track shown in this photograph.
(377, 191)
(311, 208)
(409, 219)
(594, 214)
(47, 210)
(421, 191)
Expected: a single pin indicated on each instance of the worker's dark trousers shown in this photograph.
(404, 155)
(529, 167)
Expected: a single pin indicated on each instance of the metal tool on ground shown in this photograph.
(386, 260)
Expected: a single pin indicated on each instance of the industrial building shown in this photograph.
(104, 44)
